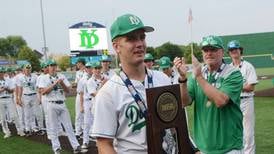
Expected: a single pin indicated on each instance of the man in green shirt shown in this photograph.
(215, 88)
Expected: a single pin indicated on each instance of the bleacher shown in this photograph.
(258, 48)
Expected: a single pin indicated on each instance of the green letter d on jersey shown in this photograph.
(135, 118)
(88, 40)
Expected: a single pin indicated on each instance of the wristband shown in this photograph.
(182, 81)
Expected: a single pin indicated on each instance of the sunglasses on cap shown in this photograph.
(52, 65)
(28, 67)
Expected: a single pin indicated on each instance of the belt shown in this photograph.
(57, 102)
(244, 97)
(30, 94)
(5, 97)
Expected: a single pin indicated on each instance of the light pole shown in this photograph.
(45, 48)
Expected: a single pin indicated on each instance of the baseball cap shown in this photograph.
(234, 44)
(88, 64)
(27, 66)
(81, 60)
(43, 65)
(164, 62)
(212, 41)
(126, 24)
(95, 64)
(105, 58)
(148, 57)
(51, 62)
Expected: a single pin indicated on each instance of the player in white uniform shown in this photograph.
(93, 84)
(79, 116)
(149, 61)
(7, 105)
(106, 71)
(122, 119)
(247, 101)
(54, 87)
(19, 108)
(27, 98)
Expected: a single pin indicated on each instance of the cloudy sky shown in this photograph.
(168, 17)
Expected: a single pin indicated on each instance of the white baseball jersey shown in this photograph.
(79, 75)
(117, 115)
(28, 83)
(57, 94)
(249, 76)
(82, 87)
(108, 74)
(6, 83)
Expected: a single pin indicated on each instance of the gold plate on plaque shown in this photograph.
(167, 107)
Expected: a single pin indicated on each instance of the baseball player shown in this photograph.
(165, 67)
(7, 105)
(27, 98)
(106, 71)
(54, 87)
(79, 117)
(123, 119)
(247, 101)
(149, 61)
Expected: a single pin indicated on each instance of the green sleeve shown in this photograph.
(232, 86)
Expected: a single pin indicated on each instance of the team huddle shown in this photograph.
(222, 95)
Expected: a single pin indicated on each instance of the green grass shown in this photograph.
(264, 131)
(264, 84)
(265, 71)
(264, 136)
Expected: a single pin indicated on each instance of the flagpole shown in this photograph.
(190, 18)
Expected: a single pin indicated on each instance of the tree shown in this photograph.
(25, 53)
(196, 51)
(170, 50)
(11, 45)
(64, 62)
(152, 51)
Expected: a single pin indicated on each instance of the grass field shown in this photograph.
(264, 133)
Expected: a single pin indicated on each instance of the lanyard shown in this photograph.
(134, 93)
(216, 75)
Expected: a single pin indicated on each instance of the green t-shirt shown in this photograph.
(218, 130)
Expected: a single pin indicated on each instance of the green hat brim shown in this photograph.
(145, 28)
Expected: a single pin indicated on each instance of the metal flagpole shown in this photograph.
(45, 48)
(190, 18)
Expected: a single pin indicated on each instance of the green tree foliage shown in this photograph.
(170, 50)
(11, 45)
(196, 50)
(25, 53)
(64, 63)
(152, 51)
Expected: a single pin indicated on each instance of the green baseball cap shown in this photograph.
(234, 44)
(126, 24)
(105, 58)
(81, 60)
(95, 64)
(148, 57)
(212, 41)
(164, 62)
(51, 62)
(43, 65)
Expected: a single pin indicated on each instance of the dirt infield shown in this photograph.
(265, 93)
(63, 140)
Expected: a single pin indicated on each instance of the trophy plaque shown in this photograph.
(166, 122)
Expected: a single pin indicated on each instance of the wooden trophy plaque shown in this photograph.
(166, 122)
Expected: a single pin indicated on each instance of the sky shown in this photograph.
(168, 17)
